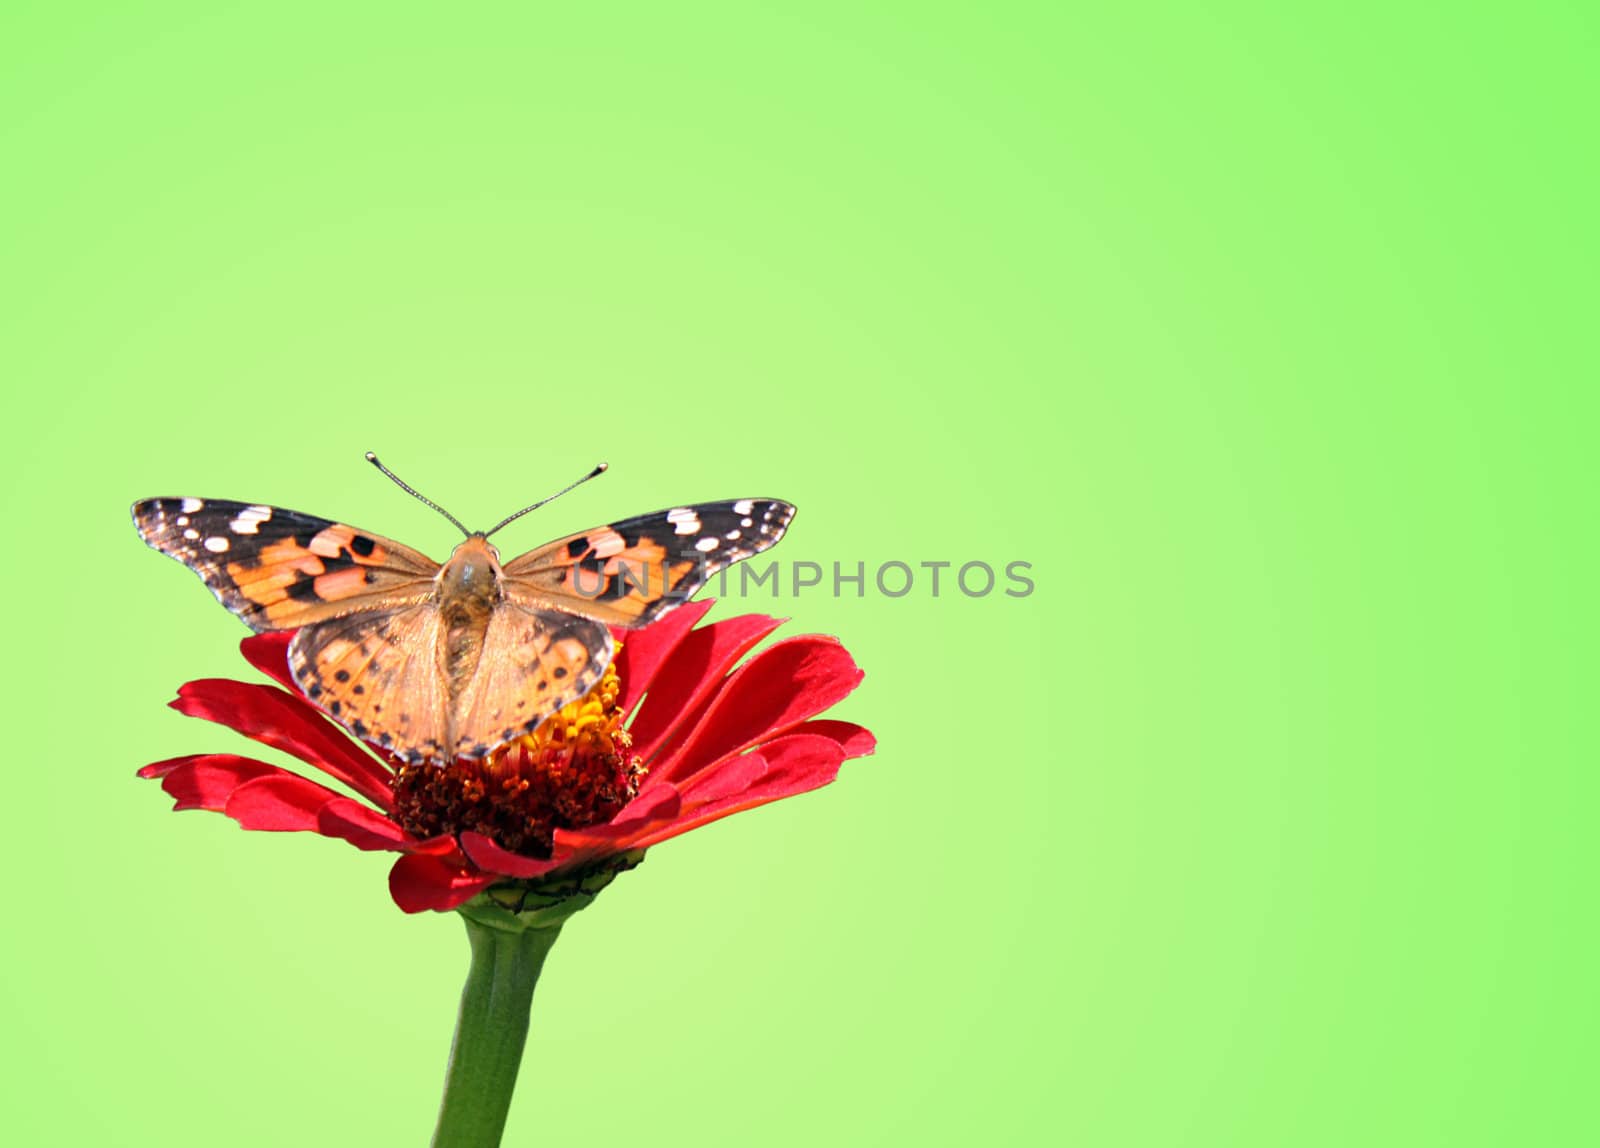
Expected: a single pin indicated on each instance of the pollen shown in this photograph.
(577, 769)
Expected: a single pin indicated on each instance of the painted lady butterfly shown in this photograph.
(433, 661)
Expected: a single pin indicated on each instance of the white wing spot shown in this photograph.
(190, 505)
(744, 506)
(216, 545)
(250, 518)
(705, 545)
(747, 522)
(731, 535)
(684, 520)
(183, 520)
(191, 534)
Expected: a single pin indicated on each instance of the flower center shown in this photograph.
(575, 770)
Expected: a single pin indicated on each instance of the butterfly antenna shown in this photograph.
(401, 483)
(504, 522)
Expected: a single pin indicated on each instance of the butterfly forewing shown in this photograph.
(631, 572)
(279, 569)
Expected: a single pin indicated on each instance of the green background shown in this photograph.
(1264, 335)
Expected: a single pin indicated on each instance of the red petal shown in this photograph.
(644, 651)
(485, 854)
(206, 780)
(281, 803)
(653, 801)
(728, 778)
(782, 768)
(782, 685)
(693, 673)
(655, 806)
(421, 881)
(362, 826)
(162, 768)
(277, 718)
(443, 845)
(269, 653)
(856, 740)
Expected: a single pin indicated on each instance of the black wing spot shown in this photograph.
(342, 676)
(561, 671)
(576, 548)
(301, 589)
(362, 545)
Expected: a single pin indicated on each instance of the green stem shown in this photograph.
(490, 1032)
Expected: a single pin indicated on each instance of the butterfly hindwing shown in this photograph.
(532, 663)
(280, 569)
(381, 675)
(389, 677)
(631, 572)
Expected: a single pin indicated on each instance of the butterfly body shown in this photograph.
(431, 661)
(467, 590)
(469, 584)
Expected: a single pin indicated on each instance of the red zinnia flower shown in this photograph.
(710, 737)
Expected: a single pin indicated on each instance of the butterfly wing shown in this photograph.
(633, 571)
(531, 664)
(279, 569)
(383, 676)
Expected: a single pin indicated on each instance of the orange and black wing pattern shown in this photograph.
(279, 569)
(631, 572)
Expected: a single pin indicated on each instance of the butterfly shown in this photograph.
(437, 661)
